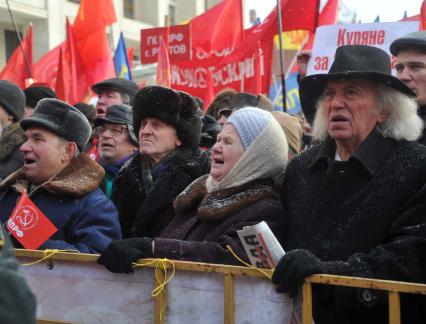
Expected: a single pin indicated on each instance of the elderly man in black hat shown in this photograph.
(410, 52)
(60, 181)
(114, 91)
(12, 103)
(356, 204)
(169, 160)
(117, 142)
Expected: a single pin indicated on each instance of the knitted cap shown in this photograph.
(249, 123)
(12, 99)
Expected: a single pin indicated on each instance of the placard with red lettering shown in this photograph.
(328, 38)
(179, 43)
(28, 224)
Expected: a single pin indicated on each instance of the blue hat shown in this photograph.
(249, 123)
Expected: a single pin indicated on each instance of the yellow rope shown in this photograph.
(160, 265)
(267, 275)
(49, 253)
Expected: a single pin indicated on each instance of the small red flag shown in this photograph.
(423, 16)
(163, 65)
(28, 224)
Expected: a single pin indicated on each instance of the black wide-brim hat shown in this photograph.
(351, 62)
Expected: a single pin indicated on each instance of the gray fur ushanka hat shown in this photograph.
(175, 108)
(62, 119)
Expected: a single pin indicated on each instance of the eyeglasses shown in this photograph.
(113, 130)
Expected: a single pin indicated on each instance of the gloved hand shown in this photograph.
(293, 268)
(120, 254)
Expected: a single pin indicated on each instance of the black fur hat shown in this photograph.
(175, 108)
(62, 119)
(34, 93)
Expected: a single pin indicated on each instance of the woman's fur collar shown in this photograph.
(219, 204)
(12, 137)
(80, 177)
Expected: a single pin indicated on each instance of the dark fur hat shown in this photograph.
(62, 119)
(12, 99)
(34, 93)
(175, 108)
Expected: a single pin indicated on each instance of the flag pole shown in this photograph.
(27, 62)
(282, 74)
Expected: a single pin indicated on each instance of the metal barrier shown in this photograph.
(394, 288)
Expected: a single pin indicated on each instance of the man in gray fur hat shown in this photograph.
(60, 181)
(12, 104)
(410, 52)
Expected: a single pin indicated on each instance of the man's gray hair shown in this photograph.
(402, 123)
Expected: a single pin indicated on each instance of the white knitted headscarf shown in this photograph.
(266, 155)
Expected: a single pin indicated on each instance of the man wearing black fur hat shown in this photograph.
(169, 160)
(61, 182)
(355, 205)
(12, 103)
(410, 52)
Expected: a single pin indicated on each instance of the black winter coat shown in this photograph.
(422, 114)
(144, 214)
(206, 223)
(369, 212)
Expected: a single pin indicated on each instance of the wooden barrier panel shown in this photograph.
(73, 288)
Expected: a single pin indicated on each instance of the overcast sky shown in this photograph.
(367, 10)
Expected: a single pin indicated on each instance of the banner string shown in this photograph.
(49, 253)
(160, 265)
(267, 275)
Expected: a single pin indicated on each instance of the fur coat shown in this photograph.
(10, 158)
(205, 223)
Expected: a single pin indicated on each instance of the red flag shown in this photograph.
(163, 65)
(17, 69)
(422, 25)
(257, 84)
(219, 27)
(71, 84)
(328, 16)
(89, 31)
(130, 51)
(28, 224)
(46, 68)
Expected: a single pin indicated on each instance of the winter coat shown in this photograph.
(147, 214)
(86, 219)
(422, 114)
(369, 212)
(206, 223)
(10, 158)
(17, 302)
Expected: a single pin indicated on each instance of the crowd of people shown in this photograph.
(146, 173)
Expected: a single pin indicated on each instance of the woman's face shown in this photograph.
(226, 152)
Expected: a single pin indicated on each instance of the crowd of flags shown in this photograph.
(85, 57)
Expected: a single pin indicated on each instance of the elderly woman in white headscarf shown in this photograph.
(248, 163)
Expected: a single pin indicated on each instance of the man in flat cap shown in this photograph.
(410, 52)
(114, 91)
(117, 142)
(60, 181)
(355, 205)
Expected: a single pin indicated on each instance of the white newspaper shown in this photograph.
(261, 245)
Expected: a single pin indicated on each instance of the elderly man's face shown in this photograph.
(105, 99)
(157, 139)
(114, 142)
(411, 69)
(44, 155)
(350, 110)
